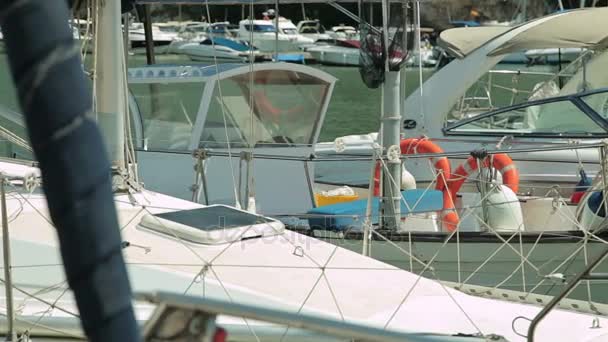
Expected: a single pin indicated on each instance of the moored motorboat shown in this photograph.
(342, 52)
(163, 34)
(263, 35)
(287, 28)
(314, 30)
(343, 32)
(220, 50)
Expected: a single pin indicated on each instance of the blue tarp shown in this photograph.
(291, 57)
(464, 23)
(227, 43)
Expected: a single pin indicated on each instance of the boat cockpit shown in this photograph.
(582, 115)
(248, 121)
(267, 116)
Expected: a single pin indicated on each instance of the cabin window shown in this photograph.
(598, 102)
(272, 108)
(554, 118)
(260, 28)
(168, 112)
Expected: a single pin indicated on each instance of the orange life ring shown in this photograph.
(501, 162)
(263, 104)
(449, 216)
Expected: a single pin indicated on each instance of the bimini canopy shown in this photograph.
(461, 41)
(584, 28)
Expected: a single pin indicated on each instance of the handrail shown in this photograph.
(525, 72)
(489, 84)
(326, 326)
(584, 275)
(370, 157)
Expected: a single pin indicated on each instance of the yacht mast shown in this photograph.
(391, 119)
(109, 81)
(73, 162)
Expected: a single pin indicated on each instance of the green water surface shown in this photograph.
(354, 108)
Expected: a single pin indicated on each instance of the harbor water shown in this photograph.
(353, 109)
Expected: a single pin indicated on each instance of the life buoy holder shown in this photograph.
(501, 162)
(449, 217)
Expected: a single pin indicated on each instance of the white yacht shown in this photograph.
(341, 52)
(314, 30)
(537, 130)
(219, 50)
(287, 28)
(344, 32)
(163, 34)
(218, 251)
(263, 35)
(194, 32)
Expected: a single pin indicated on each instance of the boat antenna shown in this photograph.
(54, 96)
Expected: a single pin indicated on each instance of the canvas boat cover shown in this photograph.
(461, 41)
(584, 28)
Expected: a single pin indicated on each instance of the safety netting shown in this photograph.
(373, 55)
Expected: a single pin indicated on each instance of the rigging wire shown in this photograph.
(219, 87)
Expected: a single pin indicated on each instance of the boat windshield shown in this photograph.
(312, 28)
(168, 28)
(218, 28)
(580, 115)
(273, 108)
(168, 112)
(259, 28)
(290, 31)
(199, 28)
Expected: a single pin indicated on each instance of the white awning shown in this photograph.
(585, 28)
(461, 41)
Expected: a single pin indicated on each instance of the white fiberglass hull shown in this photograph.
(269, 45)
(335, 55)
(210, 53)
(288, 271)
(538, 170)
(484, 260)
